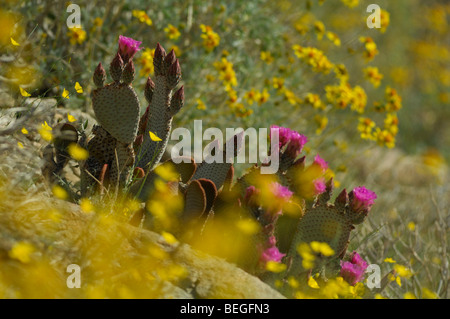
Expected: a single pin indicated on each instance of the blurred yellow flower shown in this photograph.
(59, 192)
(22, 251)
(350, 3)
(370, 48)
(77, 152)
(313, 283)
(333, 37)
(146, 62)
(373, 75)
(76, 35)
(142, 17)
(78, 87)
(24, 131)
(200, 104)
(210, 38)
(71, 118)
(389, 260)
(267, 57)
(45, 132)
(172, 32)
(275, 267)
(153, 137)
(248, 226)
(169, 238)
(23, 92)
(65, 94)
(20, 144)
(86, 205)
(14, 42)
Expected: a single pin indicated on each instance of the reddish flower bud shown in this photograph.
(99, 75)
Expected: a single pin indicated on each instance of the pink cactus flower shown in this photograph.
(271, 253)
(353, 271)
(319, 161)
(361, 199)
(128, 48)
(280, 191)
(319, 186)
(294, 140)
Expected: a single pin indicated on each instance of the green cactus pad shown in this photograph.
(210, 192)
(117, 110)
(324, 223)
(195, 201)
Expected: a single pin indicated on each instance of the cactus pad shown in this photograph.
(113, 102)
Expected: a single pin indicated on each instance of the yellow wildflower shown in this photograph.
(78, 87)
(333, 37)
(370, 48)
(350, 3)
(373, 75)
(200, 104)
(77, 152)
(366, 127)
(278, 83)
(142, 17)
(14, 42)
(153, 137)
(59, 192)
(76, 35)
(71, 118)
(65, 94)
(22, 251)
(384, 138)
(210, 38)
(172, 32)
(146, 62)
(313, 57)
(275, 267)
(313, 283)
(267, 57)
(319, 27)
(23, 92)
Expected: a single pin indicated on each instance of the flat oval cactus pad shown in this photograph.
(117, 109)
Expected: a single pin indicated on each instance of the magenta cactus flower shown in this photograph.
(321, 162)
(319, 186)
(361, 199)
(271, 253)
(128, 47)
(294, 140)
(280, 191)
(356, 259)
(353, 271)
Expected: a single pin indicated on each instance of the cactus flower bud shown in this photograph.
(158, 59)
(177, 101)
(342, 199)
(99, 76)
(174, 74)
(149, 88)
(116, 68)
(169, 59)
(128, 73)
(128, 48)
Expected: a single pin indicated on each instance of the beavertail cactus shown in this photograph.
(122, 140)
(124, 143)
